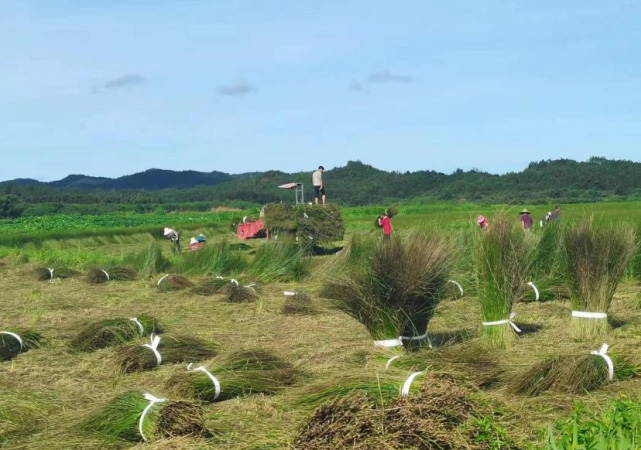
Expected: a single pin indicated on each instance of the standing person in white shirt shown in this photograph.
(319, 188)
(172, 235)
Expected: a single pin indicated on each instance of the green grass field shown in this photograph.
(47, 393)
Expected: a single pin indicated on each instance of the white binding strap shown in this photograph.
(391, 360)
(536, 291)
(161, 280)
(416, 338)
(603, 353)
(503, 322)
(220, 278)
(250, 285)
(106, 274)
(137, 322)
(209, 374)
(460, 288)
(155, 340)
(152, 401)
(405, 390)
(16, 337)
(388, 343)
(235, 281)
(590, 315)
(289, 293)
(50, 273)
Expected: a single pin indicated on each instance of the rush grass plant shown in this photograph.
(97, 275)
(238, 373)
(596, 258)
(150, 261)
(393, 287)
(571, 374)
(121, 419)
(172, 349)
(171, 282)
(51, 273)
(108, 332)
(281, 260)
(16, 341)
(503, 258)
(213, 258)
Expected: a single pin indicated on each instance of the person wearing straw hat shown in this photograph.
(173, 236)
(195, 244)
(482, 222)
(526, 220)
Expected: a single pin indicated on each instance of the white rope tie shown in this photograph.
(161, 280)
(155, 340)
(220, 278)
(460, 288)
(389, 361)
(417, 338)
(209, 374)
(590, 315)
(503, 322)
(235, 282)
(106, 274)
(405, 390)
(536, 291)
(289, 294)
(137, 322)
(603, 353)
(250, 286)
(399, 341)
(152, 401)
(16, 337)
(50, 274)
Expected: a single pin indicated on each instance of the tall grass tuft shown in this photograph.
(119, 419)
(118, 273)
(108, 332)
(214, 258)
(10, 346)
(150, 261)
(503, 258)
(393, 287)
(596, 257)
(281, 260)
(239, 373)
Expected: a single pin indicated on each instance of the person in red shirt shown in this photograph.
(482, 222)
(385, 223)
(526, 220)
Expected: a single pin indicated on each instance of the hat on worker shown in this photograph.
(525, 211)
(193, 240)
(167, 231)
(480, 219)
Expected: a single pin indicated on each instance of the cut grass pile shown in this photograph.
(572, 374)
(173, 349)
(108, 332)
(321, 223)
(51, 273)
(210, 287)
(596, 258)
(298, 303)
(442, 415)
(393, 287)
(16, 341)
(503, 257)
(237, 293)
(98, 276)
(171, 282)
(238, 374)
(121, 419)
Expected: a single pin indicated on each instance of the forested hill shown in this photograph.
(354, 184)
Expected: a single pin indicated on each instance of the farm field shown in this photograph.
(47, 394)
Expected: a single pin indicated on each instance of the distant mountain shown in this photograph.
(80, 181)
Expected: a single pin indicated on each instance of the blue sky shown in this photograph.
(112, 88)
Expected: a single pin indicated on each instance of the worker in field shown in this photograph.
(385, 222)
(482, 222)
(526, 220)
(556, 214)
(173, 236)
(319, 187)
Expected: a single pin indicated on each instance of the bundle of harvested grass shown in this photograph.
(211, 287)
(133, 416)
(13, 342)
(235, 374)
(596, 258)
(172, 282)
(98, 276)
(51, 273)
(572, 374)
(323, 223)
(169, 349)
(282, 260)
(393, 287)
(237, 293)
(108, 332)
(502, 270)
(443, 415)
(298, 303)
